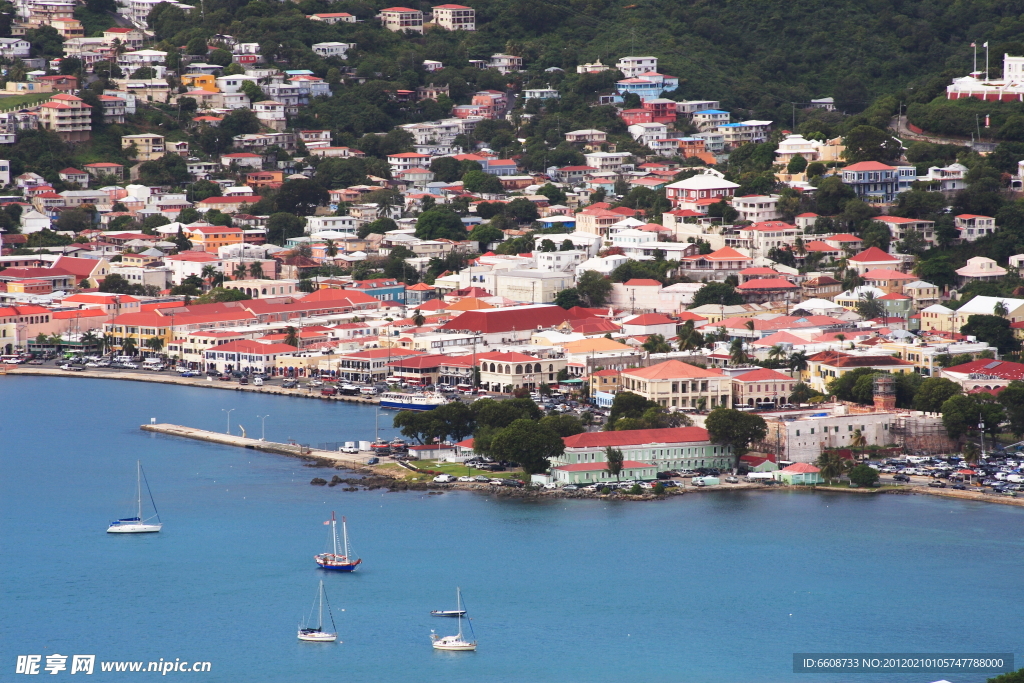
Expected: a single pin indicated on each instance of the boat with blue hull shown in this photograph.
(333, 560)
(399, 401)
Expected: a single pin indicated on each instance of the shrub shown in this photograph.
(659, 489)
(862, 475)
(636, 490)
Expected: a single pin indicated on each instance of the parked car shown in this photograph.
(465, 479)
(732, 480)
(372, 461)
(189, 373)
(243, 380)
(570, 487)
(937, 484)
(329, 391)
(290, 383)
(36, 361)
(901, 477)
(225, 378)
(68, 366)
(444, 479)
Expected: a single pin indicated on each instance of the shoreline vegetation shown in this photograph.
(392, 476)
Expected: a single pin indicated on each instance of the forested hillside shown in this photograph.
(753, 55)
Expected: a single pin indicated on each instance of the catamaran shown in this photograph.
(136, 524)
(318, 635)
(332, 560)
(458, 642)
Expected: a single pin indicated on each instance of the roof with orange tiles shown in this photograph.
(671, 369)
(636, 437)
(763, 375)
(874, 255)
(767, 283)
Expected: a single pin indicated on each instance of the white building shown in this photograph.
(532, 286)
(646, 133)
(634, 67)
(333, 49)
(455, 17)
(796, 146)
(506, 64)
(559, 261)
(401, 19)
(757, 208)
(342, 224)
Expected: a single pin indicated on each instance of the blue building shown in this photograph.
(382, 289)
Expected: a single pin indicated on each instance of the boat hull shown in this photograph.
(458, 646)
(318, 637)
(448, 613)
(134, 528)
(335, 565)
(400, 405)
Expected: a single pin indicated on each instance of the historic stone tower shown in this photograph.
(885, 393)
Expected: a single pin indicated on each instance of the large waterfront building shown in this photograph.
(665, 449)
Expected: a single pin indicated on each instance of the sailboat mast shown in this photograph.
(320, 621)
(458, 608)
(344, 530)
(138, 485)
(334, 530)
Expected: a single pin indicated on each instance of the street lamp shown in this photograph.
(263, 435)
(225, 410)
(981, 429)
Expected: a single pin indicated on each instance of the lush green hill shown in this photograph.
(753, 55)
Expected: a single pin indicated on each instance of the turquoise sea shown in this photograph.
(715, 587)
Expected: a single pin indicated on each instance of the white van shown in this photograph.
(368, 391)
(257, 381)
(152, 364)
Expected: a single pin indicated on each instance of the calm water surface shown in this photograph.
(708, 587)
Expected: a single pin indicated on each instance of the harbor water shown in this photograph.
(715, 586)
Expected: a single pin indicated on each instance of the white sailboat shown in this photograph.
(458, 642)
(136, 524)
(317, 634)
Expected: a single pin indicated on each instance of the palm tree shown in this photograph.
(858, 440)
(107, 342)
(239, 272)
(292, 337)
(57, 341)
(870, 307)
(656, 344)
(737, 356)
(831, 465)
(418, 320)
(90, 338)
(208, 273)
(798, 361)
(256, 270)
(613, 461)
(777, 353)
(330, 249)
(798, 247)
(1000, 309)
(129, 347)
(154, 344)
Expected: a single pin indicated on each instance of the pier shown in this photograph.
(348, 460)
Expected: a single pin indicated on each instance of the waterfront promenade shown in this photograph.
(301, 391)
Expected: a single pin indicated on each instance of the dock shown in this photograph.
(348, 460)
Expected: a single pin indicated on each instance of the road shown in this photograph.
(899, 124)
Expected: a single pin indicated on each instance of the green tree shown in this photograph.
(992, 329)
(283, 225)
(842, 387)
(832, 465)
(796, 165)
(300, 197)
(568, 298)
(864, 476)
(961, 414)
(735, 428)
(593, 288)
(717, 293)
(129, 347)
(377, 227)
(479, 182)
(440, 222)
(876, 235)
(656, 343)
(614, 460)
(528, 444)
(935, 391)
(445, 169)
(1012, 400)
(866, 143)
(869, 307)
(563, 425)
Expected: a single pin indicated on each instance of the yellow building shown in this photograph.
(826, 366)
(938, 318)
(678, 384)
(207, 82)
(147, 147)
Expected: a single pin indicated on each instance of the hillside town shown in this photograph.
(434, 261)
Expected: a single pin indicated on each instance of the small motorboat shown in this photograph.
(448, 613)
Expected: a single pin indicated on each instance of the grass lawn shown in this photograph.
(457, 470)
(18, 101)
